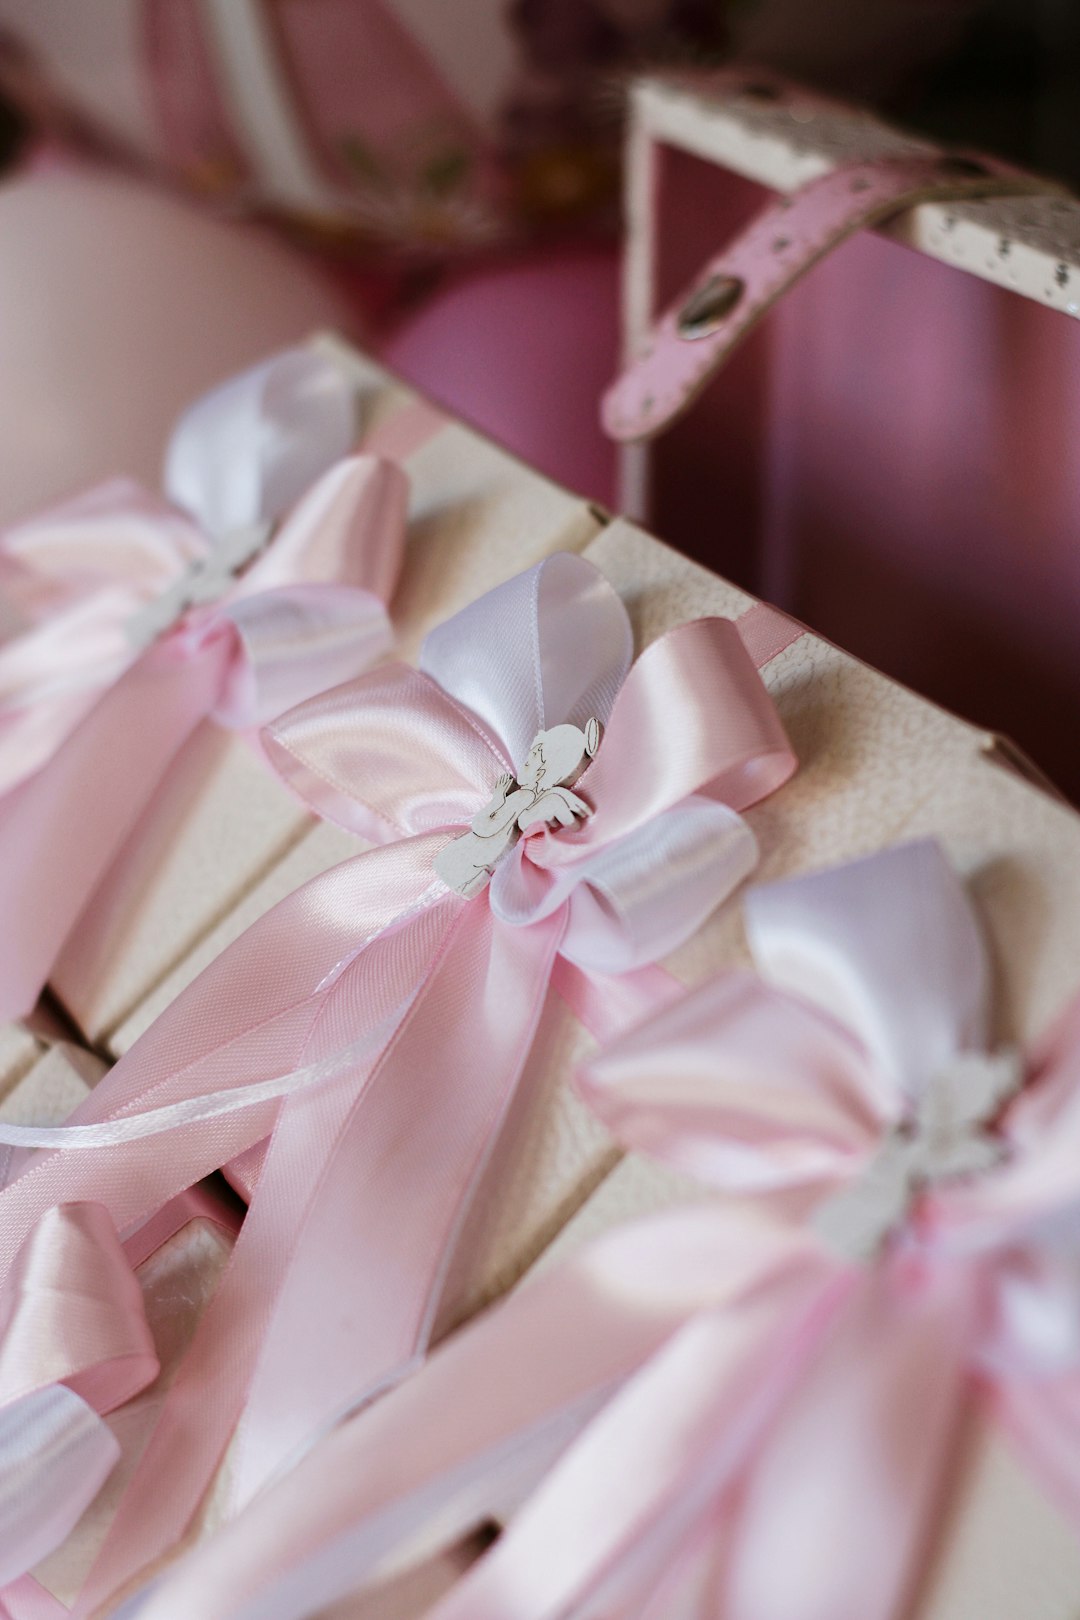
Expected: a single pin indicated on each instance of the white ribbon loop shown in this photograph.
(238, 459)
(245, 452)
(633, 901)
(890, 946)
(55, 1455)
(869, 941)
(516, 660)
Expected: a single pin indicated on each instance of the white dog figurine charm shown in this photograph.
(540, 793)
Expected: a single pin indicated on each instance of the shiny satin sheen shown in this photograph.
(733, 1380)
(74, 1344)
(80, 706)
(445, 992)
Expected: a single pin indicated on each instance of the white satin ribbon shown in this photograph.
(55, 1455)
(243, 453)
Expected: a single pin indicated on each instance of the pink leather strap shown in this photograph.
(694, 337)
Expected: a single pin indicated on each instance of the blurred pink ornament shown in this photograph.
(523, 351)
(362, 120)
(119, 304)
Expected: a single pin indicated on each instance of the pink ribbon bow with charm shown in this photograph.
(128, 619)
(549, 813)
(746, 1406)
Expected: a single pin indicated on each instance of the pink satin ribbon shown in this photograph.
(88, 724)
(395, 1017)
(74, 1344)
(715, 1410)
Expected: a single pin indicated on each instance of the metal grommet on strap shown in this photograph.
(709, 305)
(696, 334)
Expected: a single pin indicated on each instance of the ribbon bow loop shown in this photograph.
(552, 646)
(861, 1063)
(74, 1344)
(693, 738)
(162, 630)
(870, 941)
(310, 613)
(245, 452)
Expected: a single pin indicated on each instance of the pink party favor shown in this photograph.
(220, 821)
(142, 616)
(549, 815)
(751, 1405)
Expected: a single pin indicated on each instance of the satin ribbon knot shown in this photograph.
(261, 578)
(676, 1395)
(204, 581)
(947, 1138)
(414, 1010)
(538, 796)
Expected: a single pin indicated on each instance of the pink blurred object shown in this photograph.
(362, 119)
(408, 129)
(524, 351)
(119, 304)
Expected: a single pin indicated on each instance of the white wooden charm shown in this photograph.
(946, 1138)
(540, 793)
(201, 582)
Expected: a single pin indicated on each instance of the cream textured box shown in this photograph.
(222, 820)
(871, 754)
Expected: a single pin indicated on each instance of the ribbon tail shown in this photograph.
(854, 1467)
(609, 1004)
(387, 1155)
(61, 829)
(399, 1179)
(1042, 1418)
(246, 1018)
(483, 1419)
(628, 1500)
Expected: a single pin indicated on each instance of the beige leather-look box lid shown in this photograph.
(222, 820)
(879, 766)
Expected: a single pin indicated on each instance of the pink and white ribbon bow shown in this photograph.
(74, 1344)
(128, 622)
(394, 1016)
(745, 1407)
